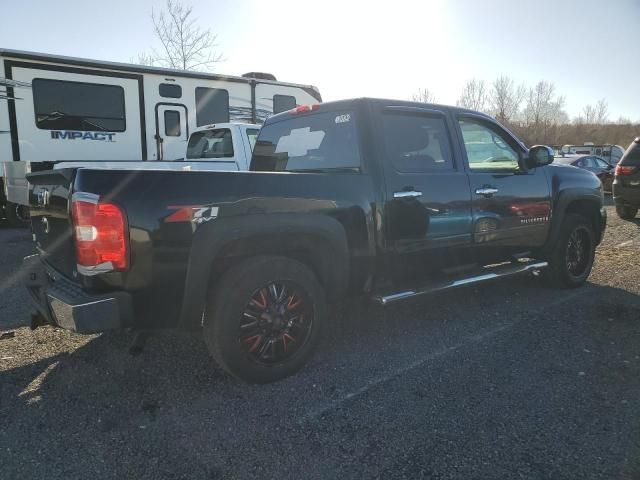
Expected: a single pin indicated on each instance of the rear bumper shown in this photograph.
(64, 304)
(623, 195)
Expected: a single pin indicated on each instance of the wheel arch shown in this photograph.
(318, 241)
(580, 201)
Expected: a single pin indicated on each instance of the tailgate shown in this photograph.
(49, 199)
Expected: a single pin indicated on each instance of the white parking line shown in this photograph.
(313, 414)
(624, 244)
(471, 340)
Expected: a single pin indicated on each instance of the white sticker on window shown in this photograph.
(344, 118)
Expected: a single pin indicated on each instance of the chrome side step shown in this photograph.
(497, 272)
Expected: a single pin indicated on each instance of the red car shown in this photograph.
(599, 166)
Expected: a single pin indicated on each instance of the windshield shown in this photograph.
(210, 144)
(317, 142)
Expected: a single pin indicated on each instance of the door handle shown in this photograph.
(486, 191)
(407, 194)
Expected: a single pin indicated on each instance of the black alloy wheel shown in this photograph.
(572, 254)
(276, 322)
(264, 318)
(578, 251)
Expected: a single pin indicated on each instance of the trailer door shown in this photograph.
(172, 131)
(76, 114)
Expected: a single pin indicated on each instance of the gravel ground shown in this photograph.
(507, 380)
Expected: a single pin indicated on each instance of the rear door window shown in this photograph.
(318, 142)
(417, 143)
(601, 163)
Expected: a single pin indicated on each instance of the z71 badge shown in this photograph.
(192, 213)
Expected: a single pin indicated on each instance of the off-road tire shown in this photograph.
(559, 273)
(17, 215)
(626, 212)
(228, 300)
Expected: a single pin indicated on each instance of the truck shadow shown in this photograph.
(100, 393)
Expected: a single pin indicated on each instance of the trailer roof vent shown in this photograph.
(260, 76)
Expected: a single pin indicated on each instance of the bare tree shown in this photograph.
(594, 115)
(589, 115)
(505, 98)
(185, 46)
(424, 95)
(543, 112)
(602, 111)
(474, 95)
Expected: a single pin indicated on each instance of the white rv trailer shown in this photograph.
(78, 109)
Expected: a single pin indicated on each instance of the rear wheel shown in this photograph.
(625, 212)
(573, 254)
(17, 215)
(263, 320)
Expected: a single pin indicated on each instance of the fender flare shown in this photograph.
(321, 234)
(561, 205)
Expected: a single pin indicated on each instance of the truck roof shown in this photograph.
(347, 103)
(226, 125)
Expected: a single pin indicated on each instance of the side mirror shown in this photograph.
(539, 156)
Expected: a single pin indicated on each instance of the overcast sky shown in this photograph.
(588, 48)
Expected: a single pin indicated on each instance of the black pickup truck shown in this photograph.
(387, 199)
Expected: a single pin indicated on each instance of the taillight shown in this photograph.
(100, 234)
(305, 108)
(624, 170)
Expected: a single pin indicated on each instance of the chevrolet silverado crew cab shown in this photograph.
(387, 199)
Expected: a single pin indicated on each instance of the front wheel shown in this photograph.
(625, 212)
(263, 320)
(572, 256)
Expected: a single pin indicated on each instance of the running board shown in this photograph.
(497, 272)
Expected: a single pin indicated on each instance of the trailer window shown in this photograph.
(210, 144)
(172, 123)
(282, 103)
(170, 90)
(63, 105)
(212, 106)
(319, 142)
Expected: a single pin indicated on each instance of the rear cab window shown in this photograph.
(315, 142)
(215, 143)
